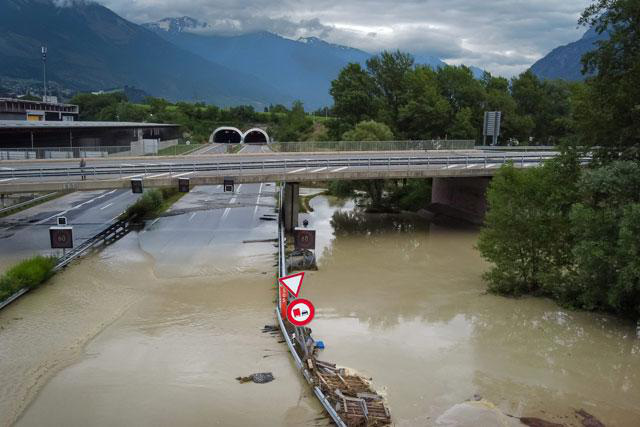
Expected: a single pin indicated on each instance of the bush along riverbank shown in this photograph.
(567, 233)
(29, 274)
(151, 204)
(386, 196)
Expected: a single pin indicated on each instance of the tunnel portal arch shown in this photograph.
(256, 136)
(227, 135)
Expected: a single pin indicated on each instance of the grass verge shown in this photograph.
(29, 273)
(179, 149)
(303, 202)
(152, 203)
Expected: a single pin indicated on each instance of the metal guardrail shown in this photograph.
(418, 145)
(113, 232)
(282, 271)
(62, 152)
(257, 166)
(25, 203)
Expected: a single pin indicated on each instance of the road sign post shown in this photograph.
(183, 185)
(62, 220)
(292, 283)
(61, 237)
(304, 238)
(300, 312)
(491, 126)
(228, 184)
(136, 185)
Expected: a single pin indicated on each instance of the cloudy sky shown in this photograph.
(502, 36)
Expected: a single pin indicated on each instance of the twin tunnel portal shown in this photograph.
(232, 135)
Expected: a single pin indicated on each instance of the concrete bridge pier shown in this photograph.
(290, 205)
(461, 198)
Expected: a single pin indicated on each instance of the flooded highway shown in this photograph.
(154, 329)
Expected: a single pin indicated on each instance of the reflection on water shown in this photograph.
(403, 302)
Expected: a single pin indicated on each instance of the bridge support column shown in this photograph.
(462, 198)
(290, 205)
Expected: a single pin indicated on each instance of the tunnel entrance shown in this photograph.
(256, 136)
(227, 135)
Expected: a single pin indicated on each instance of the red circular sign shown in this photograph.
(300, 312)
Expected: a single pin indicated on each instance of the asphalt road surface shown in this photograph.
(209, 231)
(26, 233)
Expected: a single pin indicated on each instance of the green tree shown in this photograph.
(354, 95)
(462, 126)
(425, 113)
(606, 225)
(389, 70)
(295, 126)
(91, 105)
(611, 117)
(369, 131)
(527, 233)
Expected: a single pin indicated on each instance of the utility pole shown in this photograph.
(44, 71)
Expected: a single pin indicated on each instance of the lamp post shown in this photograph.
(44, 71)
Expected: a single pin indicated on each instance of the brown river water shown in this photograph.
(121, 339)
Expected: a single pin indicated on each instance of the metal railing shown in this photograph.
(422, 145)
(90, 152)
(256, 166)
(282, 271)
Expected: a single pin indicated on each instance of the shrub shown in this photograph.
(29, 273)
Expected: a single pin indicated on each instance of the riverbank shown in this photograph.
(411, 293)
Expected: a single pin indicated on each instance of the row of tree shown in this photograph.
(569, 232)
(418, 102)
(198, 120)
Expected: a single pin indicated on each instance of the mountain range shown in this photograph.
(92, 48)
(564, 62)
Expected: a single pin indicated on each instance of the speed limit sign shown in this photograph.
(304, 239)
(61, 237)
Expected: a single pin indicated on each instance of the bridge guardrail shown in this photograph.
(415, 145)
(246, 167)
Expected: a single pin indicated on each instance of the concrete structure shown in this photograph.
(19, 109)
(255, 136)
(290, 204)
(227, 135)
(463, 198)
(67, 139)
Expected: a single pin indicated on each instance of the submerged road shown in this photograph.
(26, 233)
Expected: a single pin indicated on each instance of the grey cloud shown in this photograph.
(502, 36)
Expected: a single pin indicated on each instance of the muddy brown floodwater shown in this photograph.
(153, 330)
(403, 302)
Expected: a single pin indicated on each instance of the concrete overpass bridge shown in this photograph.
(460, 177)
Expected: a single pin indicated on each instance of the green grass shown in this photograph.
(176, 150)
(152, 203)
(29, 273)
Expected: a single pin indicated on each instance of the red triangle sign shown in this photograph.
(293, 282)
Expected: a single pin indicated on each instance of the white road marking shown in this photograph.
(232, 201)
(7, 169)
(298, 170)
(493, 165)
(340, 169)
(7, 179)
(451, 166)
(258, 200)
(192, 215)
(182, 174)
(76, 207)
(472, 166)
(319, 169)
(158, 175)
(134, 176)
(106, 206)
